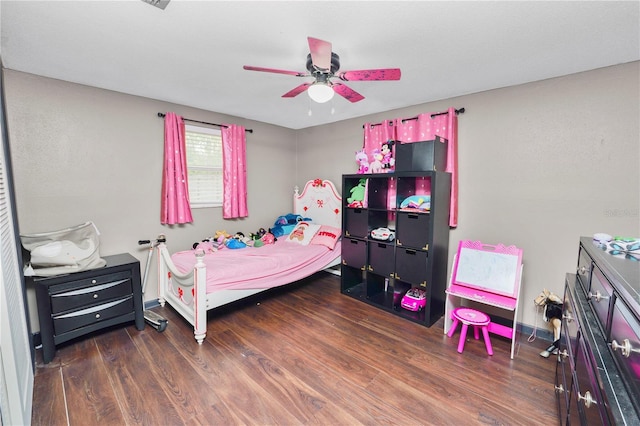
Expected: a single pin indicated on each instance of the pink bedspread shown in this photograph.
(268, 266)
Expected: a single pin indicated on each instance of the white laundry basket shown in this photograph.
(64, 251)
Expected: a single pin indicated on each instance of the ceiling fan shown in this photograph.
(323, 65)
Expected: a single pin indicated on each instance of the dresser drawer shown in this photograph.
(563, 383)
(90, 291)
(583, 271)
(625, 332)
(599, 296)
(586, 391)
(92, 315)
(569, 329)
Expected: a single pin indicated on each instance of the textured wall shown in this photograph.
(83, 153)
(540, 165)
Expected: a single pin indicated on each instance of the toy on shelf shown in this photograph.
(388, 162)
(414, 300)
(383, 234)
(357, 194)
(418, 202)
(363, 162)
(376, 164)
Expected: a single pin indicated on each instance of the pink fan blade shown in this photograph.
(295, 73)
(320, 53)
(368, 75)
(347, 93)
(296, 91)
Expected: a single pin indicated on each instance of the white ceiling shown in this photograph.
(192, 52)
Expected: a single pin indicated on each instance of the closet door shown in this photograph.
(16, 365)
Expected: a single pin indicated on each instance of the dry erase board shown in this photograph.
(495, 269)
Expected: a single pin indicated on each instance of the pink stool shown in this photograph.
(479, 320)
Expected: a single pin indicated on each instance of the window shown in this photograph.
(204, 164)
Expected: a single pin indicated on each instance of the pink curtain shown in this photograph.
(425, 128)
(174, 206)
(374, 136)
(234, 172)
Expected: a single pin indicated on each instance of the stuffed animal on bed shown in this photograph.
(236, 242)
(257, 235)
(221, 236)
(206, 246)
(268, 238)
(285, 224)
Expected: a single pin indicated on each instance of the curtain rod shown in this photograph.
(435, 114)
(161, 115)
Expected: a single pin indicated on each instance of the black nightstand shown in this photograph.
(73, 305)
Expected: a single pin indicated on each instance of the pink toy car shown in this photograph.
(415, 300)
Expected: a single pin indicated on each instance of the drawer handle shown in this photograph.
(625, 348)
(370, 268)
(568, 317)
(97, 316)
(588, 400)
(93, 281)
(559, 389)
(583, 270)
(95, 295)
(598, 296)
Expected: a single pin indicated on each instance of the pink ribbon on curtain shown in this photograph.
(234, 169)
(425, 128)
(174, 206)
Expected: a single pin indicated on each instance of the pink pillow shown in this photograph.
(327, 236)
(303, 233)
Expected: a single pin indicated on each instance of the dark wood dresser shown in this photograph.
(598, 370)
(73, 305)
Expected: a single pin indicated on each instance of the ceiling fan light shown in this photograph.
(320, 92)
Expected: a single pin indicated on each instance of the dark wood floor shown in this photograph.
(308, 355)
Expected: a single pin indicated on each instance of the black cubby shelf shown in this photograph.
(380, 272)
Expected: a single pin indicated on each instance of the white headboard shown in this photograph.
(319, 201)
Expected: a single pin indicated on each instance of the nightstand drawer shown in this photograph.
(66, 322)
(90, 291)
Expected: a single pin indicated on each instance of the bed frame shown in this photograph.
(319, 200)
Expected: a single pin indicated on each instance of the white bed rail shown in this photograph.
(170, 279)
